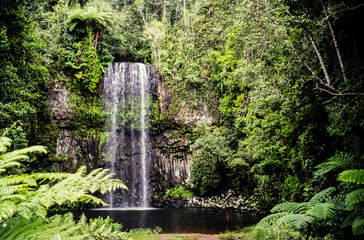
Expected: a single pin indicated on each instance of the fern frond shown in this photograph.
(353, 176)
(321, 196)
(49, 176)
(271, 218)
(60, 227)
(358, 226)
(322, 210)
(12, 159)
(290, 207)
(10, 190)
(335, 163)
(298, 221)
(32, 149)
(4, 144)
(17, 179)
(338, 200)
(91, 15)
(7, 209)
(4, 166)
(353, 198)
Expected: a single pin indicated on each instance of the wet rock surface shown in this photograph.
(223, 201)
(58, 99)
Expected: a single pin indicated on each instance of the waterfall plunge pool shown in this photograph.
(177, 220)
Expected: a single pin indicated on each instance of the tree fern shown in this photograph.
(321, 196)
(60, 227)
(354, 198)
(322, 210)
(298, 216)
(25, 200)
(335, 163)
(358, 225)
(353, 176)
(91, 16)
(297, 221)
(290, 207)
(271, 219)
(4, 144)
(11, 159)
(354, 201)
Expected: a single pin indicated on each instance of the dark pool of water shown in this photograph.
(178, 220)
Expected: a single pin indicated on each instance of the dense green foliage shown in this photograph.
(23, 85)
(284, 82)
(270, 72)
(282, 79)
(178, 191)
(25, 200)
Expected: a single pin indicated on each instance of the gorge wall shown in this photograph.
(168, 144)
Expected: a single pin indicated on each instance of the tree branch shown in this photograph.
(318, 54)
(342, 10)
(338, 93)
(335, 43)
(321, 60)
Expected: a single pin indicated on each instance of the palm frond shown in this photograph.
(353, 176)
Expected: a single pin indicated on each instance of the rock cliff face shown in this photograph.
(169, 149)
(171, 161)
(74, 148)
(58, 98)
(183, 114)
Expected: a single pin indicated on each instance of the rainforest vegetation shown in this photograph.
(283, 80)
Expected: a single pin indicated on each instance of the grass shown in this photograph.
(243, 233)
(142, 234)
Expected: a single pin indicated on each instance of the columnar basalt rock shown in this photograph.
(171, 162)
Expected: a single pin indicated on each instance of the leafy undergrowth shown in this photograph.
(142, 234)
(243, 233)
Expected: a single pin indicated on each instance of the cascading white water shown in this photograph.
(126, 99)
(143, 129)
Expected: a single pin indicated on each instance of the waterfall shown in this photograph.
(127, 146)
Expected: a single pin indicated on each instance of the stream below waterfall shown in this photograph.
(177, 220)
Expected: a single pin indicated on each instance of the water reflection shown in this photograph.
(178, 220)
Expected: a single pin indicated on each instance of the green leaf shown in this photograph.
(290, 207)
(354, 198)
(321, 196)
(353, 176)
(322, 210)
(298, 221)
